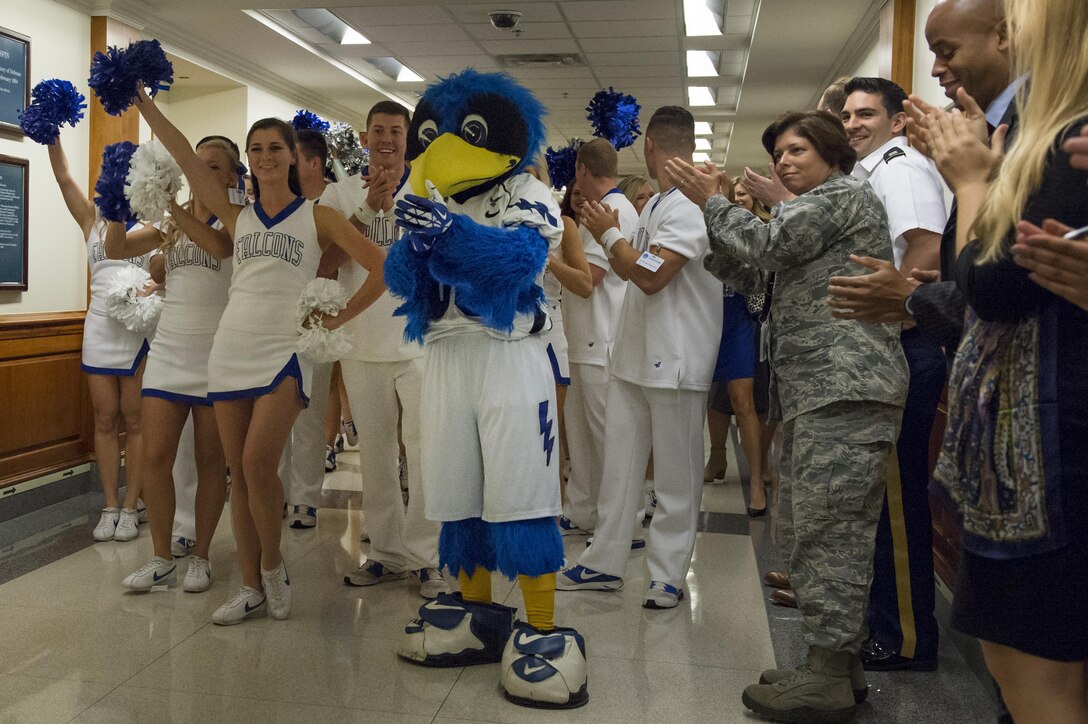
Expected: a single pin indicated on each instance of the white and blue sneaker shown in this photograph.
(662, 595)
(580, 578)
(330, 459)
(303, 517)
(248, 602)
(372, 573)
(156, 572)
(545, 669)
(651, 503)
(277, 591)
(451, 631)
(637, 544)
(181, 546)
(141, 511)
(566, 527)
(432, 583)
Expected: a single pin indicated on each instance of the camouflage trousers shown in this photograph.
(832, 486)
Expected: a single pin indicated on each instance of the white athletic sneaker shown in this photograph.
(662, 595)
(545, 669)
(127, 523)
(141, 511)
(277, 588)
(181, 547)
(431, 582)
(199, 576)
(372, 573)
(249, 601)
(330, 459)
(107, 524)
(351, 434)
(303, 516)
(156, 572)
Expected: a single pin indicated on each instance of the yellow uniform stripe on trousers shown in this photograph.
(900, 556)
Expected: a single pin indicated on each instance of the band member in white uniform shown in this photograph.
(256, 380)
(113, 360)
(198, 262)
(591, 330)
(384, 372)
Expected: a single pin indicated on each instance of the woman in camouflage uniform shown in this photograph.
(837, 385)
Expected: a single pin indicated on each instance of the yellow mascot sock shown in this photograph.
(539, 595)
(477, 587)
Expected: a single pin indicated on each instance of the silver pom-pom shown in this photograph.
(315, 342)
(344, 147)
(153, 181)
(124, 302)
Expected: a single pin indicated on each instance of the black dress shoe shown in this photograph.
(876, 657)
(756, 512)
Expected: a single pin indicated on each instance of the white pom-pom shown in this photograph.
(153, 181)
(123, 301)
(316, 343)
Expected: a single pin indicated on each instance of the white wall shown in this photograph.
(262, 104)
(869, 67)
(60, 48)
(198, 114)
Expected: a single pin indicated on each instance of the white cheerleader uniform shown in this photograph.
(556, 338)
(256, 345)
(197, 289)
(109, 348)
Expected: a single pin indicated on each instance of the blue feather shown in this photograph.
(614, 117)
(449, 95)
(305, 120)
(493, 270)
(465, 545)
(110, 188)
(408, 278)
(561, 163)
(55, 102)
(514, 548)
(116, 73)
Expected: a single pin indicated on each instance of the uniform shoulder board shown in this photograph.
(894, 153)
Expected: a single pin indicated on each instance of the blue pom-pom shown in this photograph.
(116, 73)
(614, 117)
(110, 188)
(307, 120)
(149, 65)
(561, 163)
(112, 80)
(55, 102)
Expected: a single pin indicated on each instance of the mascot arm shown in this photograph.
(492, 269)
(407, 276)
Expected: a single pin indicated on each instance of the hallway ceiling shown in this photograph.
(773, 55)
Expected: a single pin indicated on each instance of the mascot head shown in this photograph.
(470, 131)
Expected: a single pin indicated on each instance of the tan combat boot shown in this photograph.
(857, 678)
(817, 693)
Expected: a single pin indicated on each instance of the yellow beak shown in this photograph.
(454, 165)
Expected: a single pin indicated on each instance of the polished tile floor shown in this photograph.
(73, 647)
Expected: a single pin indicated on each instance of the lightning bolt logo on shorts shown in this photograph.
(546, 431)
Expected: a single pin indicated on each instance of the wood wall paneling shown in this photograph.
(46, 424)
(897, 42)
(104, 128)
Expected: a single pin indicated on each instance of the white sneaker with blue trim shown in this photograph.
(545, 669)
(580, 578)
(303, 517)
(248, 602)
(662, 595)
(277, 589)
(372, 573)
(156, 572)
(181, 546)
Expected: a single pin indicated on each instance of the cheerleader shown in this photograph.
(197, 253)
(256, 380)
(113, 359)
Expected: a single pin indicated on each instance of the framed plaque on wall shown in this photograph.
(14, 197)
(14, 79)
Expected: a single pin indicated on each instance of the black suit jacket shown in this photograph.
(939, 308)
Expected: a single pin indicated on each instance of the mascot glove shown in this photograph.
(422, 216)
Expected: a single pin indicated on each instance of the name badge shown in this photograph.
(650, 261)
(236, 196)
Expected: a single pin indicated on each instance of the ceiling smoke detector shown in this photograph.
(541, 60)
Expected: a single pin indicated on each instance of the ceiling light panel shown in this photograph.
(703, 63)
(330, 26)
(704, 128)
(704, 17)
(702, 144)
(701, 95)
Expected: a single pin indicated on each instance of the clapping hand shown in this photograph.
(698, 184)
(768, 190)
(598, 218)
(380, 186)
(1057, 264)
(961, 157)
(424, 218)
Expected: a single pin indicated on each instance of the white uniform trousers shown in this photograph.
(671, 423)
(302, 465)
(184, 473)
(399, 539)
(583, 416)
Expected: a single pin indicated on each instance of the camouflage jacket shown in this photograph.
(815, 359)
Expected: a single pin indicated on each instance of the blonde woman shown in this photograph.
(197, 253)
(1014, 457)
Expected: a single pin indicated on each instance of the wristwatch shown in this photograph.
(906, 305)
